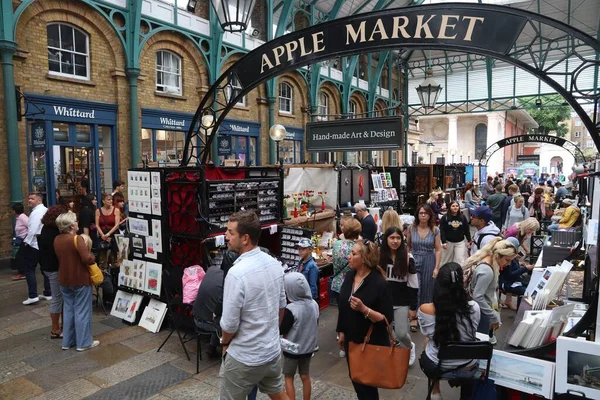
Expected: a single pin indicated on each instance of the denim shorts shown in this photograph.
(430, 370)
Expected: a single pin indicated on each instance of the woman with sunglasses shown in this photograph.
(402, 283)
(424, 243)
(364, 300)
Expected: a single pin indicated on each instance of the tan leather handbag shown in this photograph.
(380, 366)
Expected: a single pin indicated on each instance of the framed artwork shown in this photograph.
(577, 366)
(153, 278)
(525, 374)
(153, 315)
(156, 206)
(134, 306)
(157, 235)
(155, 179)
(121, 304)
(138, 226)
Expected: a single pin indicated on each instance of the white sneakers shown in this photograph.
(342, 354)
(31, 300)
(493, 340)
(436, 396)
(413, 356)
(91, 346)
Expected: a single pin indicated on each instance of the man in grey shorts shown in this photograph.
(253, 304)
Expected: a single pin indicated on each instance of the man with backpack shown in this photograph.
(481, 218)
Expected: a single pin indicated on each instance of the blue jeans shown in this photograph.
(32, 258)
(484, 324)
(552, 227)
(253, 393)
(77, 316)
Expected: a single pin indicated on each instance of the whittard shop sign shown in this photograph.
(384, 133)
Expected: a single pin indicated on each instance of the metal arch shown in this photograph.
(568, 145)
(527, 18)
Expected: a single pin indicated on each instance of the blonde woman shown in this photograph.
(389, 219)
(517, 212)
(485, 266)
(523, 231)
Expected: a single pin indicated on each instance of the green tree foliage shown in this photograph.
(551, 115)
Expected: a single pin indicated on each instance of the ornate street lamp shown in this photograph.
(415, 153)
(452, 153)
(430, 150)
(429, 91)
(278, 133)
(233, 14)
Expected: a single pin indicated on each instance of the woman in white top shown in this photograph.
(452, 317)
(517, 212)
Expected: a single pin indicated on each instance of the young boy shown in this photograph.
(308, 266)
(298, 326)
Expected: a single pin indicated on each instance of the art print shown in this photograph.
(138, 226)
(577, 366)
(137, 242)
(377, 182)
(525, 374)
(155, 190)
(153, 315)
(156, 206)
(394, 194)
(121, 304)
(150, 249)
(123, 246)
(155, 179)
(157, 235)
(139, 274)
(153, 278)
(134, 306)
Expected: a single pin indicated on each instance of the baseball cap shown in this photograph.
(483, 212)
(514, 241)
(305, 243)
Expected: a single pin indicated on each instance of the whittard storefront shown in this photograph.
(65, 139)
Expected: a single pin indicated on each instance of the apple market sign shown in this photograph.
(571, 147)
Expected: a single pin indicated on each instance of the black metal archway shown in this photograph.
(571, 147)
(482, 29)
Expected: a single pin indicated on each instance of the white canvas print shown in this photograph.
(123, 246)
(150, 249)
(153, 315)
(138, 226)
(121, 304)
(156, 206)
(155, 192)
(134, 306)
(525, 374)
(153, 278)
(138, 274)
(155, 179)
(577, 366)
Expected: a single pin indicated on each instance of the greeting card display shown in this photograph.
(153, 316)
(133, 273)
(138, 179)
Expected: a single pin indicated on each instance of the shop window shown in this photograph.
(233, 90)
(285, 98)
(480, 140)
(169, 146)
(146, 145)
(105, 158)
(68, 51)
(60, 131)
(168, 72)
(323, 107)
(577, 122)
(352, 109)
(377, 158)
(290, 151)
(394, 159)
(353, 157)
(577, 134)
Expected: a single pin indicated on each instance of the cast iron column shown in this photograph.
(272, 159)
(132, 79)
(7, 50)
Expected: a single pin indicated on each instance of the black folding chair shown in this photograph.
(461, 351)
(179, 313)
(199, 333)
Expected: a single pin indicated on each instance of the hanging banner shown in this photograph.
(384, 133)
(534, 158)
(224, 148)
(38, 136)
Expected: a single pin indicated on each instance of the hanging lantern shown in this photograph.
(429, 91)
(233, 14)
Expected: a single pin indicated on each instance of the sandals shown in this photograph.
(56, 335)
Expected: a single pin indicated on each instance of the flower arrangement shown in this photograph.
(322, 195)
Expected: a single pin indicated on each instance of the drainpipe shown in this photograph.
(7, 50)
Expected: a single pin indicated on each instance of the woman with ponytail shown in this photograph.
(485, 266)
(364, 300)
(452, 317)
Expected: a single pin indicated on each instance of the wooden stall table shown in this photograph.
(320, 221)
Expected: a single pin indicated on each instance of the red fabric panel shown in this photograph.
(219, 174)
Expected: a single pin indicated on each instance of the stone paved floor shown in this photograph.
(126, 365)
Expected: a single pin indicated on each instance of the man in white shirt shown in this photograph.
(253, 305)
(31, 256)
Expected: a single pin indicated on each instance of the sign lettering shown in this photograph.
(73, 112)
(355, 134)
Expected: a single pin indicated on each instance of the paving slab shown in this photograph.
(146, 341)
(99, 328)
(210, 376)
(4, 335)
(115, 322)
(28, 326)
(43, 311)
(190, 366)
(74, 390)
(111, 354)
(53, 355)
(119, 335)
(192, 389)
(143, 385)
(10, 371)
(19, 388)
(17, 318)
(25, 350)
(65, 371)
(132, 367)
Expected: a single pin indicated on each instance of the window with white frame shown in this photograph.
(285, 98)
(394, 160)
(352, 109)
(234, 89)
(323, 110)
(68, 51)
(168, 73)
(589, 143)
(577, 122)
(577, 134)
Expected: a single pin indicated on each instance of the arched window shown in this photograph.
(168, 72)
(352, 109)
(323, 110)
(68, 51)
(480, 140)
(285, 98)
